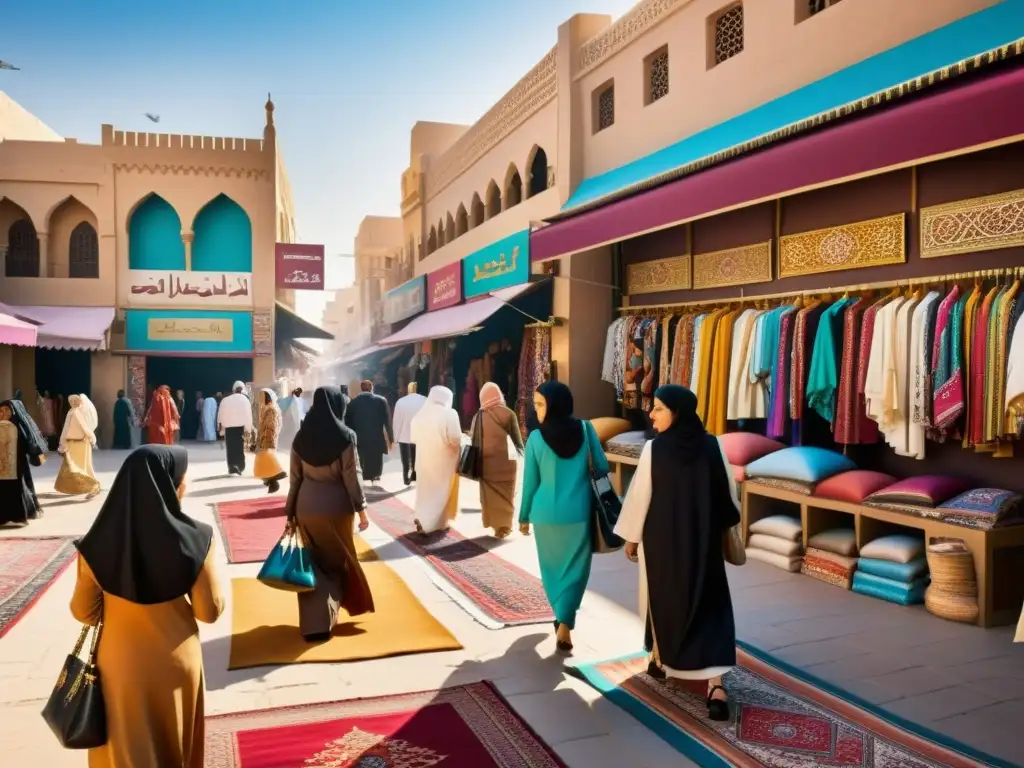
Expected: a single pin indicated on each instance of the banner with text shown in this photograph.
(189, 332)
(444, 286)
(499, 265)
(299, 266)
(406, 300)
(153, 288)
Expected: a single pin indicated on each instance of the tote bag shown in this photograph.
(289, 566)
(75, 710)
(605, 506)
(471, 460)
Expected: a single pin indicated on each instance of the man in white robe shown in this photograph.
(293, 410)
(405, 410)
(437, 435)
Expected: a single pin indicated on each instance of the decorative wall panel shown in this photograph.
(967, 226)
(672, 274)
(263, 333)
(872, 243)
(733, 266)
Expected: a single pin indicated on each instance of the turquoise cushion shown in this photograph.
(901, 572)
(887, 589)
(804, 463)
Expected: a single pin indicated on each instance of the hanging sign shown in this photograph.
(406, 300)
(499, 265)
(299, 266)
(152, 288)
(444, 286)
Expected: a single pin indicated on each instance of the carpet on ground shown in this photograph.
(265, 625)
(500, 590)
(780, 720)
(28, 566)
(468, 726)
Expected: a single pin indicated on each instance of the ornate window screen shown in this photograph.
(657, 75)
(729, 34)
(817, 6)
(83, 252)
(22, 250)
(604, 107)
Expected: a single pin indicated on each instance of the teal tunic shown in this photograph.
(124, 414)
(556, 501)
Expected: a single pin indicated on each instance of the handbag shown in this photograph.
(471, 459)
(75, 710)
(289, 566)
(605, 507)
(732, 546)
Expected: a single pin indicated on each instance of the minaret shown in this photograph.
(269, 132)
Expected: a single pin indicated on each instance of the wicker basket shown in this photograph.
(953, 593)
(951, 607)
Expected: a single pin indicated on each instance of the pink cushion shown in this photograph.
(923, 491)
(739, 473)
(741, 448)
(853, 486)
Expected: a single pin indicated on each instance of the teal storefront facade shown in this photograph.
(501, 264)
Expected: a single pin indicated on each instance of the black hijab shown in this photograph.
(35, 443)
(686, 435)
(562, 431)
(323, 434)
(142, 547)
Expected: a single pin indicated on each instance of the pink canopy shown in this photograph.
(16, 332)
(67, 327)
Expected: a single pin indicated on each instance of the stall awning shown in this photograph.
(969, 116)
(288, 325)
(454, 321)
(82, 328)
(359, 354)
(17, 332)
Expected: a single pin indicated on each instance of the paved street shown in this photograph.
(959, 680)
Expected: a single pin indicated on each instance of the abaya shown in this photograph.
(679, 506)
(146, 571)
(325, 493)
(369, 418)
(437, 435)
(22, 446)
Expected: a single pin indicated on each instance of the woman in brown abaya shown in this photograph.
(146, 571)
(498, 483)
(325, 495)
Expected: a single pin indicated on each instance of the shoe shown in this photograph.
(319, 637)
(718, 709)
(564, 646)
(412, 477)
(653, 670)
(273, 486)
(407, 481)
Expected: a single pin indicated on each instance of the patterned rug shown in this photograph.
(503, 593)
(779, 720)
(250, 528)
(470, 726)
(28, 566)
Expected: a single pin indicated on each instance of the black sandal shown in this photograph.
(653, 670)
(718, 709)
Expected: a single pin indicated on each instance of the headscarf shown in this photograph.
(35, 443)
(562, 431)
(237, 387)
(687, 431)
(142, 547)
(441, 396)
(491, 395)
(323, 435)
(162, 411)
(271, 394)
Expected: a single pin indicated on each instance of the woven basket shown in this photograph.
(951, 566)
(951, 607)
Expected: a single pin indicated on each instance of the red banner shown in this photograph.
(299, 266)
(444, 286)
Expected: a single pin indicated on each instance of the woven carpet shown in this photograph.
(504, 593)
(469, 726)
(28, 566)
(779, 720)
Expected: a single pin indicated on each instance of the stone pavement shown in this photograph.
(962, 681)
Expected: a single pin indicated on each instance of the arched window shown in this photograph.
(432, 241)
(442, 236)
(461, 221)
(476, 212)
(223, 237)
(154, 236)
(449, 229)
(493, 205)
(538, 173)
(513, 188)
(84, 252)
(22, 250)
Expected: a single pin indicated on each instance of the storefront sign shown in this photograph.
(151, 288)
(499, 265)
(406, 300)
(188, 332)
(299, 266)
(444, 287)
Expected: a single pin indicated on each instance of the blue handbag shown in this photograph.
(289, 566)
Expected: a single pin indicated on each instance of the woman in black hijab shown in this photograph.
(145, 570)
(325, 495)
(22, 447)
(679, 507)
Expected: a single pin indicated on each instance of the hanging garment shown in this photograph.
(608, 366)
(942, 342)
(698, 329)
(682, 365)
(878, 389)
(745, 401)
(1014, 410)
(718, 396)
(979, 370)
(823, 378)
(916, 373)
(851, 426)
(778, 410)
(1003, 341)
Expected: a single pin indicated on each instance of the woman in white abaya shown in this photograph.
(76, 475)
(438, 437)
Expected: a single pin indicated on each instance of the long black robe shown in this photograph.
(18, 502)
(123, 424)
(688, 592)
(368, 416)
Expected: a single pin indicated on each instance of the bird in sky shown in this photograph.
(152, 117)
(5, 65)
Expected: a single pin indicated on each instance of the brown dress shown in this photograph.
(498, 484)
(151, 668)
(323, 501)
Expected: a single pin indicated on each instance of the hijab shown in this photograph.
(35, 443)
(323, 435)
(562, 431)
(686, 435)
(441, 396)
(142, 547)
(491, 395)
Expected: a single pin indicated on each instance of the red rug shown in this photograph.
(250, 528)
(470, 726)
(503, 592)
(28, 566)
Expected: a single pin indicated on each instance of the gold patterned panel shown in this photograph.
(733, 266)
(672, 274)
(967, 226)
(872, 243)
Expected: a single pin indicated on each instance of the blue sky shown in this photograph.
(348, 79)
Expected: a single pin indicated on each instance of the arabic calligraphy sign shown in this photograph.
(200, 329)
(406, 300)
(153, 288)
(500, 265)
(188, 331)
(444, 287)
(299, 266)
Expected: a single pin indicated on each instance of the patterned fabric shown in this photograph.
(839, 563)
(28, 566)
(650, 376)
(629, 444)
(816, 571)
(778, 412)
(534, 370)
(683, 355)
(993, 506)
(793, 486)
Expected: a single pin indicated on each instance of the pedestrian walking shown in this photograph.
(234, 422)
(405, 410)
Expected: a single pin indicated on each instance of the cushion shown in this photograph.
(887, 589)
(775, 544)
(608, 427)
(791, 564)
(744, 447)
(923, 490)
(853, 486)
(993, 504)
(841, 541)
(739, 474)
(627, 444)
(824, 559)
(901, 572)
(805, 463)
(897, 548)
(779, 526)
(812, 569)
(793, 486)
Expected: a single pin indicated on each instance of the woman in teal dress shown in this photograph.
(556, 500)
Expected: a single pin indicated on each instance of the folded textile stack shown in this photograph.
(953, 593)
(831, 557)
(893, 568)
(776, 540)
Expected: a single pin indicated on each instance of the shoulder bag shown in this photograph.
(75, 711)
(289, 566)
(605, 505)
(732, 546)
(471, 460)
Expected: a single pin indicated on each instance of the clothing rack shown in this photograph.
(911, 282)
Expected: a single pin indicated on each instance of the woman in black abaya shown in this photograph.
(22, 447)
(681, 503)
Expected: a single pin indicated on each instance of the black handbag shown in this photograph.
(75, 710)
(471, 460)
(605, 508)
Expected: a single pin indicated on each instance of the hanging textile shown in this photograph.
(534, 370)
